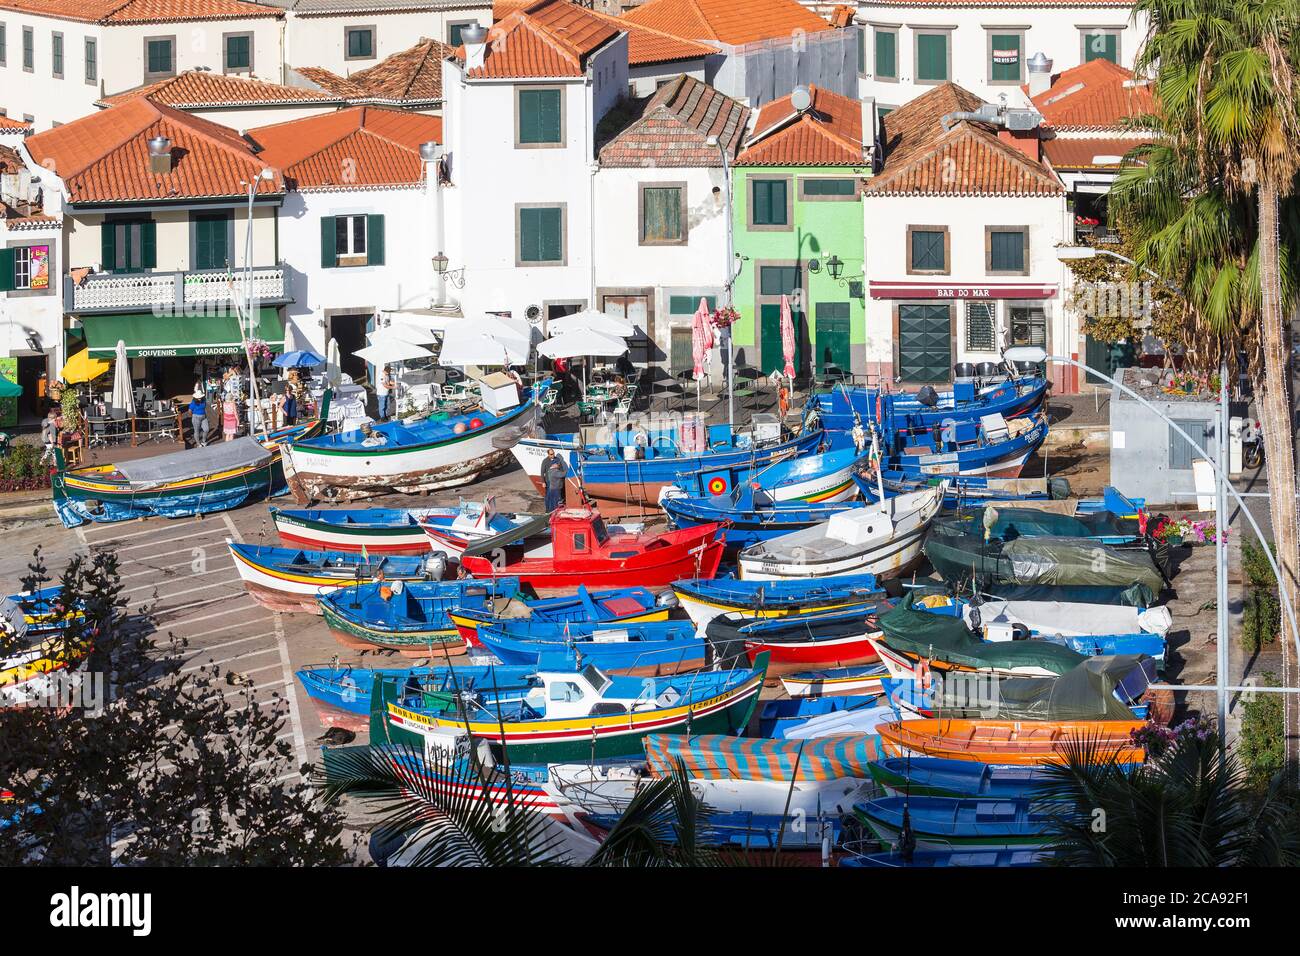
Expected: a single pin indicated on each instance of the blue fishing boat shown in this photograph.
(635, 464)
(941, 777)
(1008, 523)
(438, 451)
(780, 719)
(807, 479)
(945, 823)
(744, 830)
(842, 407)
(750, 517)
(704, 599)
(42, 611)
(931, 858)
(859, 680)
(341, 692)
(645, 650)
(412, 618)
(393, 530)
(617, 605)
(991, 447)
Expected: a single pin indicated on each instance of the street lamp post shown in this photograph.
(732, 273)
(266, 174)
(1038, 355)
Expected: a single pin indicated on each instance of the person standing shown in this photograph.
(229, 419)
(199, 416)
(50, 436)
(553, 474)
(384, 392)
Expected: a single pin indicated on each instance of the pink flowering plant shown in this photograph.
(1158, 740)
(724, 317)
(1187, 531)
(258, 349)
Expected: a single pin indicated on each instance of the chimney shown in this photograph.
(1040, 74)
(475, 40)
(160, 155)
(868, 122)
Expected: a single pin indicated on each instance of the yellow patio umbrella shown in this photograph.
(83, 368)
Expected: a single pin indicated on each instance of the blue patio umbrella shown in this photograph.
(9, 389)
(298, 359)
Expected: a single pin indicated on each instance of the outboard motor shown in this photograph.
(990, 373)
(927, 396)
(667, 599)
(435, 565)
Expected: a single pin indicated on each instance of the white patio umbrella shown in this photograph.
(595, 321)
(581, 342)
(391, 351)
(401, 332)
(473, 344)
(333, 363)
(123, 396)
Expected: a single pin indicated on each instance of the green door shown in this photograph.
(211, 248)
(924, 343)
(773, 355)
(832, 342)
(1107, 357)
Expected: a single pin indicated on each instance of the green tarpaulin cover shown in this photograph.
(1012, 523)
(957, 555)
(946, 638)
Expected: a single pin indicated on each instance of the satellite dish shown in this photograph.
(801, 98)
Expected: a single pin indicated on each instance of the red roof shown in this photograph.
(549, 38)
(674, 128)
(922, 158)
(352, 148)
(1084, 153)
(142, 11)
(10, 124)
(728, 21)
(1095, 95)
(104, 157)
(199, 88)
(828, 133)
(646, 45)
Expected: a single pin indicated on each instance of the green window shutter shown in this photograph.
(886, 54)
(932, 57)
(1005, 67)
(539, 116)
(661, 214)
(683, 304)
(1100, 46)
(108, 246)
(374, 240)
(540, 235)
(762, 203)
(328, 256)
(779, 198)
(1007, 251)
(6, 270)
(862, 50)
(148, 244)
(829, 187)
(927, 251)
(778, 280)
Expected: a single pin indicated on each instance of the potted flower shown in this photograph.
(724, 317)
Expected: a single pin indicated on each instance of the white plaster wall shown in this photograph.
(403, 281)
(36, 311)
(173, 244)
(644, 80)
(1053, 30)
(887, 219)
(318, 40)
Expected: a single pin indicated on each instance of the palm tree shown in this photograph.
(1181, 808)
(1213, 207)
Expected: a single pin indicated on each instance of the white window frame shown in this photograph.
(351, 251)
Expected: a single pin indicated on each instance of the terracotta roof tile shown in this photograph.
(142, 11)
(888, 4)
(921, 158)
(195, 89)
(842, 15)
(727, 21)
(104, 157)
(330, 83)
(828, 133)
(1095, 95)
(549, 38)
(413, 75)
(12, 124)
(1083, 153)
(674, 126)
(646, 45)
(362, 146)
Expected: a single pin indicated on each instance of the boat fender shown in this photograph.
(476, 423)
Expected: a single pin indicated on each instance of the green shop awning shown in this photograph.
(149, 335)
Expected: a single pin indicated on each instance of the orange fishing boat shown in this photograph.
(1011, 741)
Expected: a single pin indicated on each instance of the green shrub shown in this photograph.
(1261, 619)
(1254, 562)
(1261, 744)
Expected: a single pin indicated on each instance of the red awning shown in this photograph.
(955, 290)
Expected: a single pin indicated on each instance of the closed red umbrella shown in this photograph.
(701, 338)
(787, 336)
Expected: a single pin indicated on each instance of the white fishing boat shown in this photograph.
(883, 539)
(1068, 619)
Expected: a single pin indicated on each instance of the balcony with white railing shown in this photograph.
(145, 291)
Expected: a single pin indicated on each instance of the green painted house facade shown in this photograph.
(798, 226)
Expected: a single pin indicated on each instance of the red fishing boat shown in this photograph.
(584, 551)
(798, 642)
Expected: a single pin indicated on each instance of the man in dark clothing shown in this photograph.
(553, 472)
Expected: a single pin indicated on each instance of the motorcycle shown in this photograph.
(1252, 444)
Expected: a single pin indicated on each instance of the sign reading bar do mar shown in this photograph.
(953, 290)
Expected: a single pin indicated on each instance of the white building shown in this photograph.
(520, 117)
(962, 225)
(356, 225)
(56, 63)
(344, 36)
(661, 223)
(911, 46)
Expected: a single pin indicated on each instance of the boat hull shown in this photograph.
(280, 589)
(352, 473)
(414, 643)
(887, 560)
(297, 530)
(854, 681)
(1006, 742)
(836, 652)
